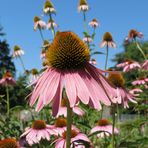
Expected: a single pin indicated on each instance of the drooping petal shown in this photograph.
(70, 87)
(82, 90)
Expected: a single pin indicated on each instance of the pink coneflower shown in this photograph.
(108, 41)
(93, 61)
(94, 23)
(17, 51)
(48, 7)
(135, 91)
(140, 81)
(63, 109)
(128, 65)
(9, 143)
(145, 65)
(83, 6)
(38, 23)
(68, 67)
(34, 75)
(51, 23)
(87, 39)
(134, 33)
(123, 95)
(45, 47)
(39, 130)
(78, 140)
(105, 127)
(7, 79)
(60, 126)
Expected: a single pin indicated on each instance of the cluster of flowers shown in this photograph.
(69, 69)
(41, 131)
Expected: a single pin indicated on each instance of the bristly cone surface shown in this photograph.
(67, 52)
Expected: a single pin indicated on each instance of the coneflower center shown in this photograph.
(74, 133)
(83, 2)
(7, 75)
(107, 37)
(116, 79)
(16, 48)
(39, 124)
(103, 122)
(34, 71)
(60, 122)
(67, 52)
(8, 143)
(132, 33)
(48, 4)
(36, 19)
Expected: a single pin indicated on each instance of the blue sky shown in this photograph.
(115, 16)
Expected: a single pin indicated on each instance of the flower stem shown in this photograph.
(52, 27)
(85, 23)
(69, 124)
(106, 61)
(113, 127)
(42, 37)
(140, 49)
(8, 100)
(22, 63)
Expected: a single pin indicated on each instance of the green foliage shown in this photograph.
(131, 52)
(17, 93)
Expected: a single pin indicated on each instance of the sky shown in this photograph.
(115, 16)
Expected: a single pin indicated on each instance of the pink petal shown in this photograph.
(70, 89)
(82, 90)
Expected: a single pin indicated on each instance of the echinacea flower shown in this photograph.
(104, 127)
(45, 47)
(9, 143)
(94, 23)
(39, 130)
(34, 75)
(7, 79)
(68, 67)
(145, 65)
(123, 95)
(60, 126)
(78, 140)
(134, 33)
(51, 23)
(38, 23)
(107, 41)
(140, 81)
(17, 51)
(135, 91)
(63, 109)
(128, 65)
(93, 61)
(83, 6)
(87, 39)
(48, 7)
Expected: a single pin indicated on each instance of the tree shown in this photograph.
(6, 62)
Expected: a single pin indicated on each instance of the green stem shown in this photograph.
(22, 63)
(52, 27)
(106, 61)
(8, 100)
(69, 124)
(85, 23)
(118, 113)
(140, 49)
(113, 127)
(42, 37)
